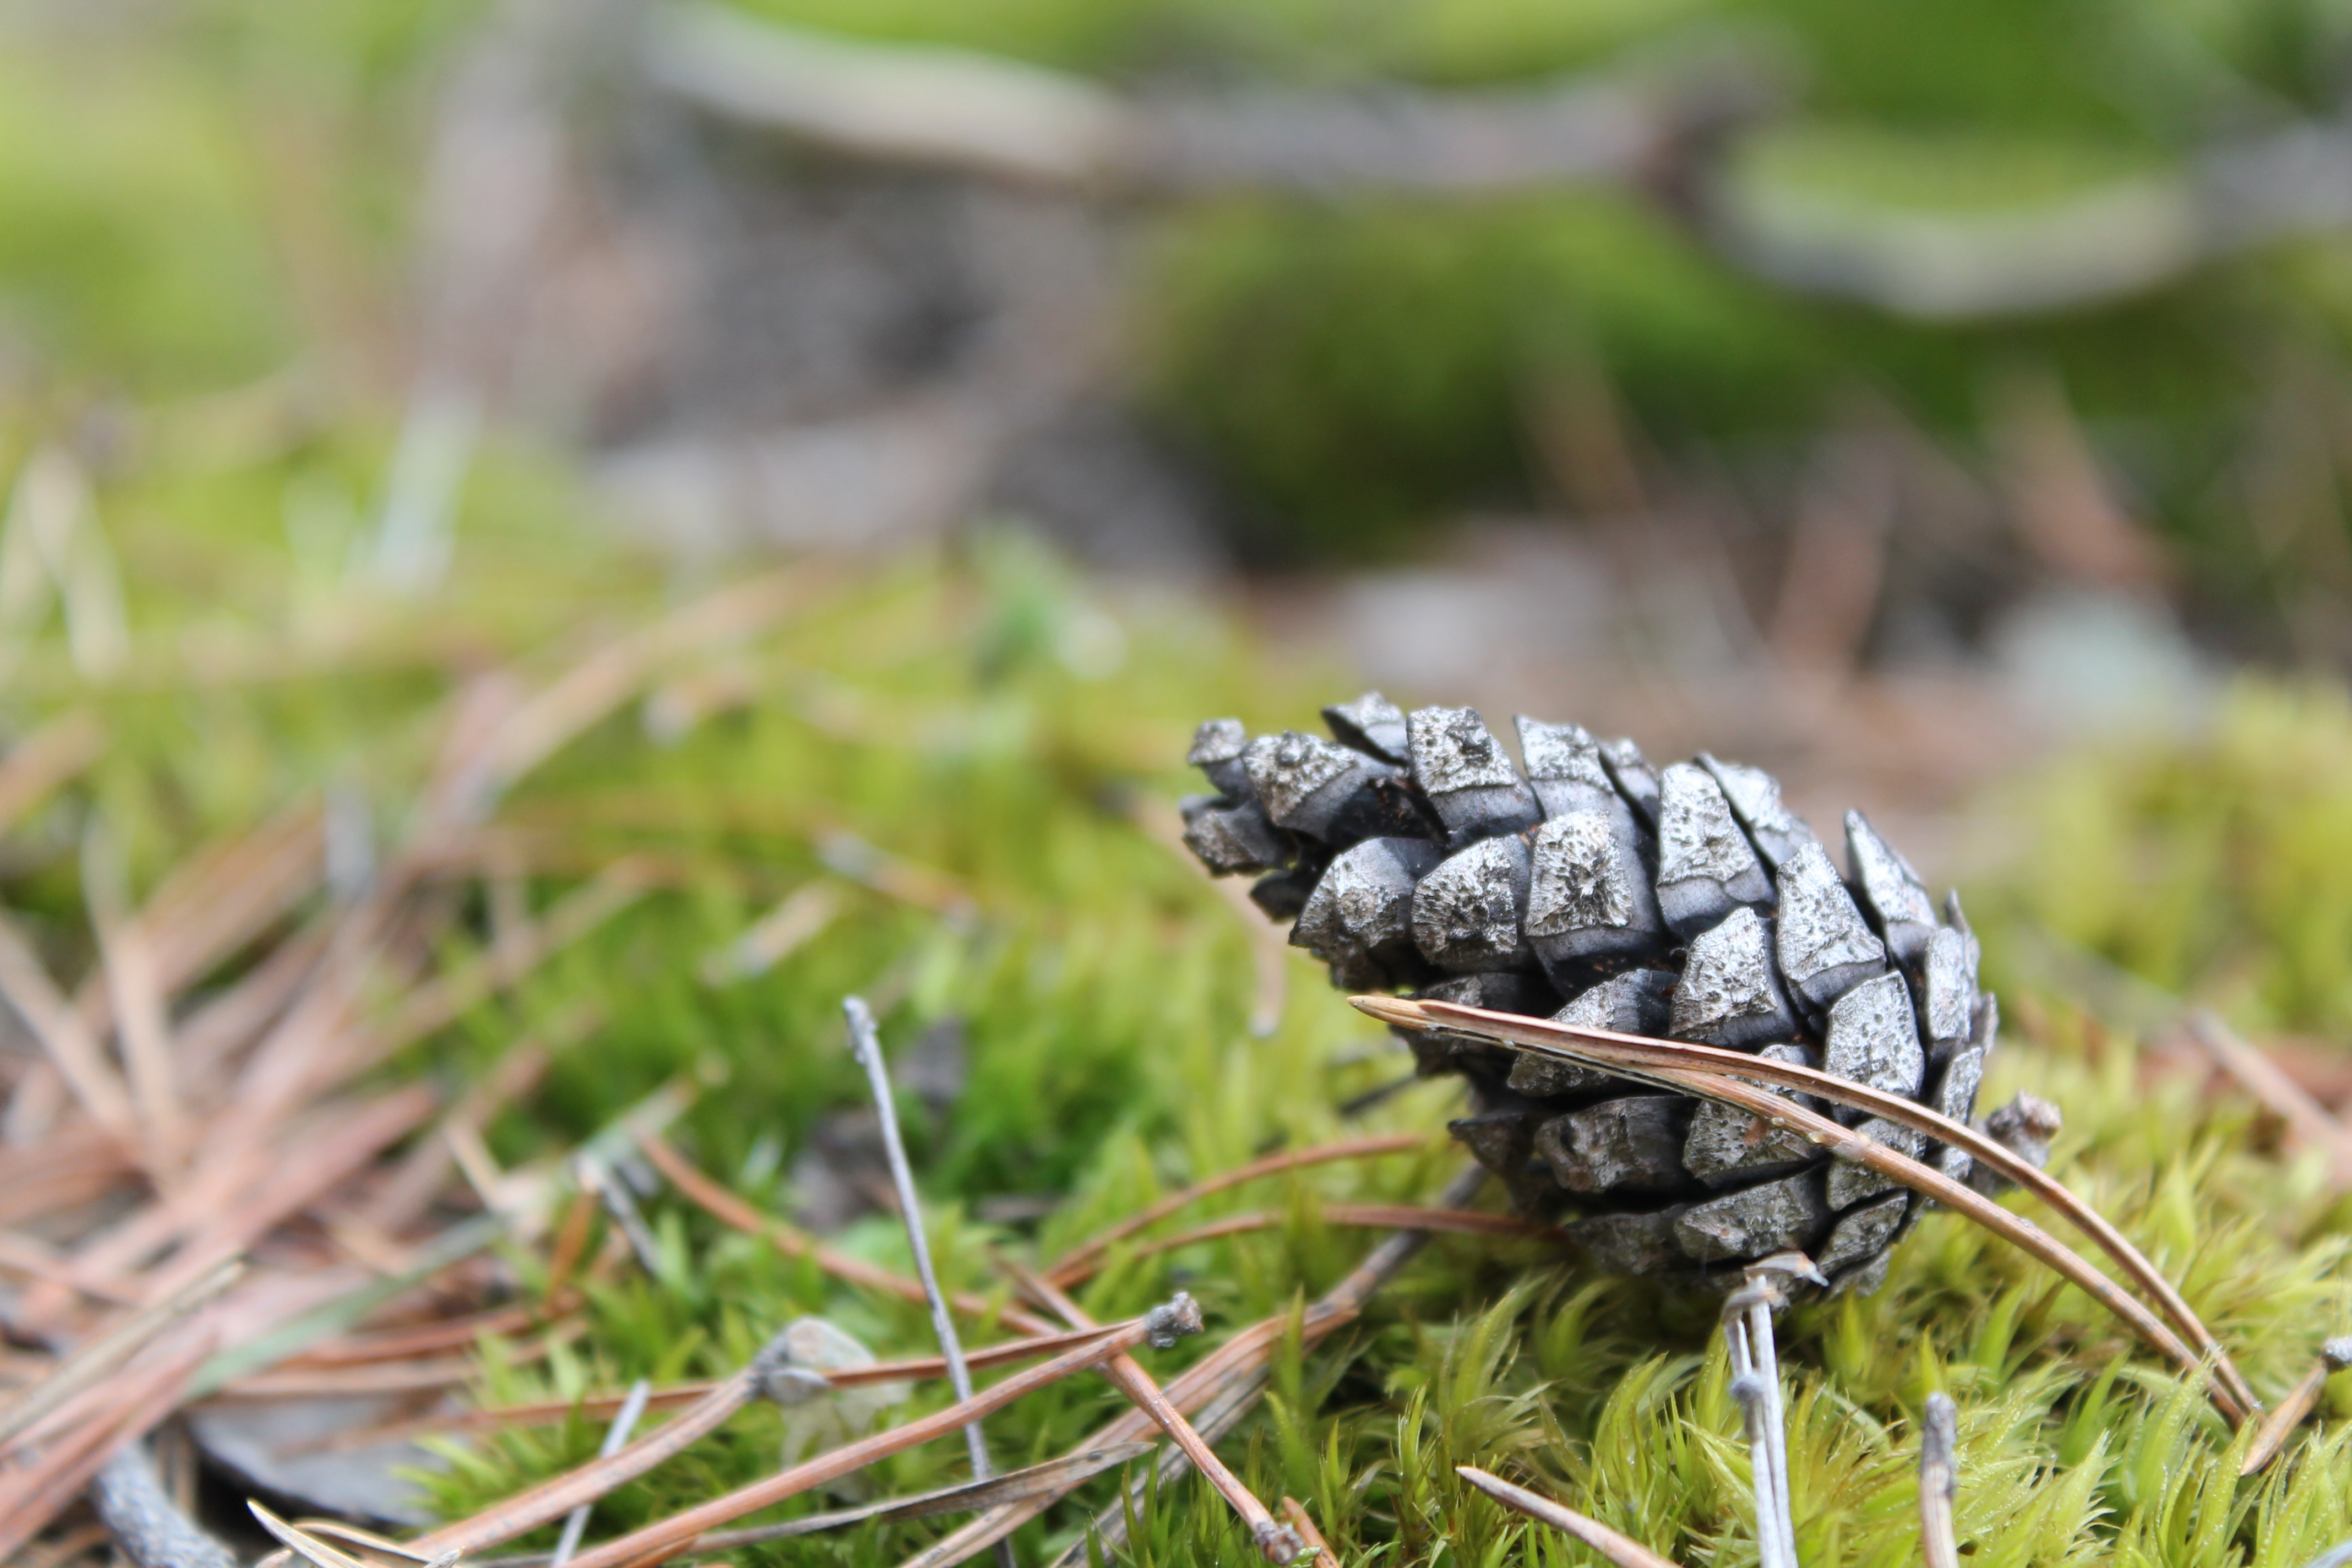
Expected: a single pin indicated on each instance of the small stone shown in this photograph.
(1777, 832)
(1463, 769)
(1372, 724)
(1358, 919)
(1873, 1040)
(1305, 780)
(1232, 836)
(1565, 770)
(1466, 913)
(1217, 747)
(1826, 947)
(1891, 893)
(1729, 994)
(1629, 1243)
(1947, 985)
(1587, 898)
(1755, 1220)
(1727, 1144)
(1850, 1181)
(1862, 1232)
(1636, 779)
(1633, 1003)
(1707, 867)
(1631, 1144)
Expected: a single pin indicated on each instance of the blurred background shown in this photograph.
(659, 513)
(1900, 398)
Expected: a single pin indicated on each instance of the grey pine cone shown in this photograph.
(1410, 853)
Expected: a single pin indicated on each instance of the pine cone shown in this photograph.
(1687, 903)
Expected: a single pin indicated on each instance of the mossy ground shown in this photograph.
(987, 718)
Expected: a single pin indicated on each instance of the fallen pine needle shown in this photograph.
(665, 1539)
(2296, 1408)
(1620, 1549)
(1712, 1073)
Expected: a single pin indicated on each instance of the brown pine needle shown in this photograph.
(99, 1358)
(1721, 1075)
(1073, 1264)
(1620, 1549)
(45, 759)
(1220, 1390)
(2296, 1408)
(2309, 1121)
(1370, 1217)
(558, 1496)
(1275, 1542)
(716, 1201)
(1939, 1481)
(665, 1539)
(1012, 1486)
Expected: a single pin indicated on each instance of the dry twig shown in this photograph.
(2296, 1408)
(1939, 1481)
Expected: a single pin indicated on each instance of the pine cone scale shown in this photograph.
(1583, 884)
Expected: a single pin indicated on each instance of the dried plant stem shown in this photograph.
(665, 1539)
(2296, 1408)
(1721, 1075)
(1081, 1259)
(1755, 1383)
(146, 1524)
(865, 1045)
(1940, 1481)
(1622, 1550)
(1275, 1542)
(616, 1436)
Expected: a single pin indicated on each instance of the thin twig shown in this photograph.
(865, 1045)
(1939, 1481)
(2296, 1408)
(1620, 1549)
(146, 1524)
(616, 1436)
(1722, 1074)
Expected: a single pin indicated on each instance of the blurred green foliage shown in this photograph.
(2219, 867)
